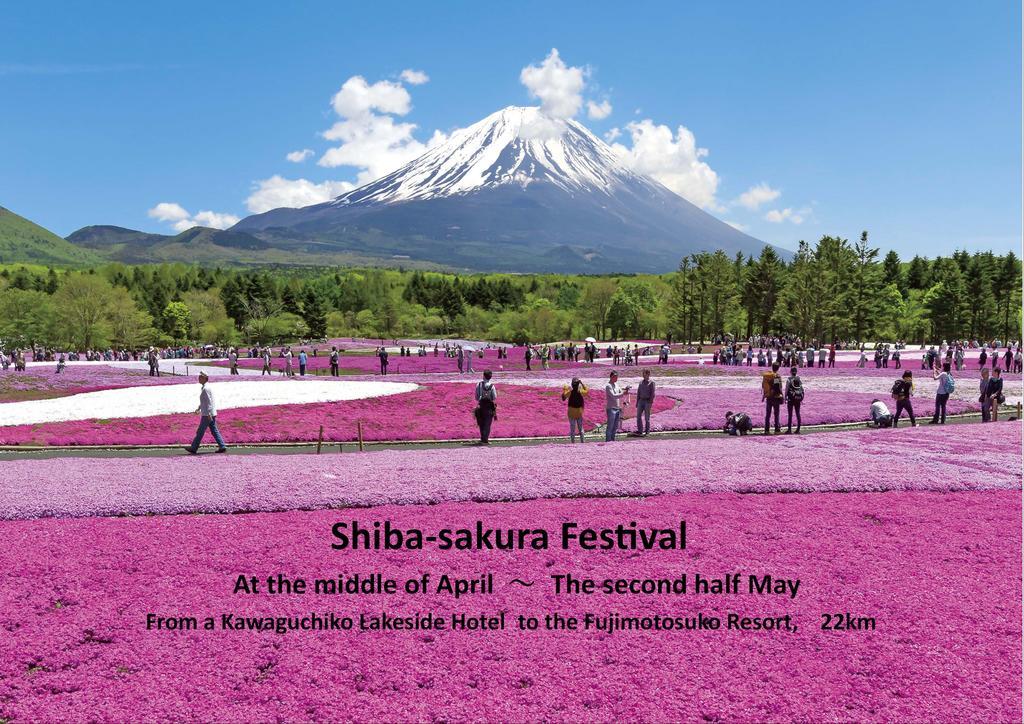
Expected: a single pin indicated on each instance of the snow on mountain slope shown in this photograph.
(516, 145)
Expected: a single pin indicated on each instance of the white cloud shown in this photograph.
(370, 139)
(795, 216)
(359, 98)
(599, 111)
(757, 195)
(672, 159)
(180, 219)
(168, 212)
(612, 134)
(214, 219)
(299, 156)
(376, 144)
(276, 191)
(541, 127)
(414, 77)
(558, 87)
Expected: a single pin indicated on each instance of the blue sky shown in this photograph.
(900, 118)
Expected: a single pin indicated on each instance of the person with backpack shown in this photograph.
(334, 361)
(942, 393)
(737, 424)
(902, 391)
(794, 396)
(486, 410)
(772, 395)
(574, 395)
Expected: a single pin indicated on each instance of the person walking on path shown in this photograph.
(772, 395)
(644, 404)
(382, 354)
(460, 357)
(266, 362)
(528, 356)
(794, 396)
(942, 393)
(469, 361)
(994, 392)
(486, 409)
(303, 359)
(288, 371)
(613, 395)
(208, 418)
(902, 391)
(233, 359)
(574, 395)
(334, 361)
(986, 405)
(832, 355)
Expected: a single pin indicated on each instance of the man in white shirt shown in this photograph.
(880, 415)
(208, 411)
(612, 396)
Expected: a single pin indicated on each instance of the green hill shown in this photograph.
(23, 241)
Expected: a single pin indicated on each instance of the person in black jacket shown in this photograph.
(794, 397)
(902, 391)
(994, 392)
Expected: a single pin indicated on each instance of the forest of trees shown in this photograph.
(831, 289)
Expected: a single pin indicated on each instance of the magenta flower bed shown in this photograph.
(946, 458)
(40, 382)
(434, 412)
(370, 364)
(76, 593)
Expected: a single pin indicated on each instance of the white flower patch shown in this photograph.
(168, 399)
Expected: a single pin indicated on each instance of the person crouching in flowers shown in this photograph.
(574, 395)
(737, 423)
(208, 411)
(902, 391)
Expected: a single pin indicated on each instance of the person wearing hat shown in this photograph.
(208, 411)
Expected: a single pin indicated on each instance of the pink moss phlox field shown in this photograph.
(38, 382)
(941, 458)
(75, 594)
(433, 412)
(369, 363)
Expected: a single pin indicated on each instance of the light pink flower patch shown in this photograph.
(40, 382)
(942, 458)
(938, 573)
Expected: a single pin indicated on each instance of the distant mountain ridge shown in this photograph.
(23, 241)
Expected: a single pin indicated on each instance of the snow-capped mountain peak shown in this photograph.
(514, 146)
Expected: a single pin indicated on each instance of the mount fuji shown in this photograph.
(517, 191)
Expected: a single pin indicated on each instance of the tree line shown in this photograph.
(831, 289)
